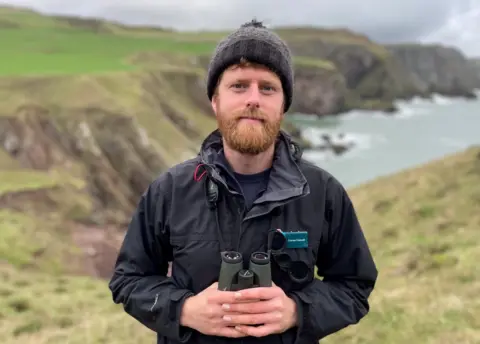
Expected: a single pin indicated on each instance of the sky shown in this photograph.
(451, 22)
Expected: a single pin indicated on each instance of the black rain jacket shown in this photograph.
(178, 220)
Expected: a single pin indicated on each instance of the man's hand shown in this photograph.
(270, 308)
(204, 313)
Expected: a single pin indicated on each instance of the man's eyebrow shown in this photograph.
(263, 82)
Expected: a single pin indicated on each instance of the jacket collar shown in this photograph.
(286, 181)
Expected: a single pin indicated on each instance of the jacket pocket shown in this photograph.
(196, 261)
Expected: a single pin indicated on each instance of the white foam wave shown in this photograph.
(442, 100)
(356, 141)
(305, 117)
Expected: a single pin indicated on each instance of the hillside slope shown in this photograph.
(422, 225)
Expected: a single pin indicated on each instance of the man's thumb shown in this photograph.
(214, 285)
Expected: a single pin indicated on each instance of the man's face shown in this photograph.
(249, 108)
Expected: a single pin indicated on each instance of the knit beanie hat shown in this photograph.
(255, 43)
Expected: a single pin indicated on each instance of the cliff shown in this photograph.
(373, 76)
(438, 69)
(475, 64)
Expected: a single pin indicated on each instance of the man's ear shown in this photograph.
(214, 103)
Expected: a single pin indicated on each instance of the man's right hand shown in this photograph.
(203, 312)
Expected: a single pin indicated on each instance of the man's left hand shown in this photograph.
(268, 307)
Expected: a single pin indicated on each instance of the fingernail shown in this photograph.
(226, 306)
(226, 318)
(238, 295)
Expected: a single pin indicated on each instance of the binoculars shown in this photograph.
(233, 275)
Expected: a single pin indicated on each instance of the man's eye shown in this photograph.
(268, 88)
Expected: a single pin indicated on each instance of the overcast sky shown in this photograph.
(453, 22)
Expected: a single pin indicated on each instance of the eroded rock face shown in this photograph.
(318, 91)
(372, 78)
(109, 150)
(438, 69)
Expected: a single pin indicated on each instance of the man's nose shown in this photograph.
(253, 100)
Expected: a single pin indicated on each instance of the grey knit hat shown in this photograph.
(257, 44)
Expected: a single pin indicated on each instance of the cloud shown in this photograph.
(383, 21)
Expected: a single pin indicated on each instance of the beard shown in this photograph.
(247, 137)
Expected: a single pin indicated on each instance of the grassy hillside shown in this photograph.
(423, 228)
(47, 45)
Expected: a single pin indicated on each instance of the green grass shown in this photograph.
(38, 309)
(15, 180)
(27, 51)
(318, 63)
(25, 180)
(422, 225)
(35, 44)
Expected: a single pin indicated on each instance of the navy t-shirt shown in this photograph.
(253, 185)
(250, 185)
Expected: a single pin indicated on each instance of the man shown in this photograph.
(247, 186)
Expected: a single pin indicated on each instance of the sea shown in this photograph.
(382, 143)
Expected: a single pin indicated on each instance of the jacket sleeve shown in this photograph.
(348, 270)
(139, 280)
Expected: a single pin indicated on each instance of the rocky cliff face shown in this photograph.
(319, 89)
(438, 69)
(372, 76)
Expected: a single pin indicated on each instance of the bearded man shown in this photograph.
(248, 191)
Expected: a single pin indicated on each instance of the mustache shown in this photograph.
(251, 114)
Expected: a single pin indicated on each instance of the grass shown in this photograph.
(25, 180)
(35, 44)
(318, 63)
(423, 228)
(15, 180)
(422, 225)
(38, 308)
(34, 51)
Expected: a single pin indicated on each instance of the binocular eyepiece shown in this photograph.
(233, 275)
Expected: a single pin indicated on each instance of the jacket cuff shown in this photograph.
(174, 307)
(304, 332)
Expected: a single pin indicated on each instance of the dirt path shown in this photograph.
(100, 246)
